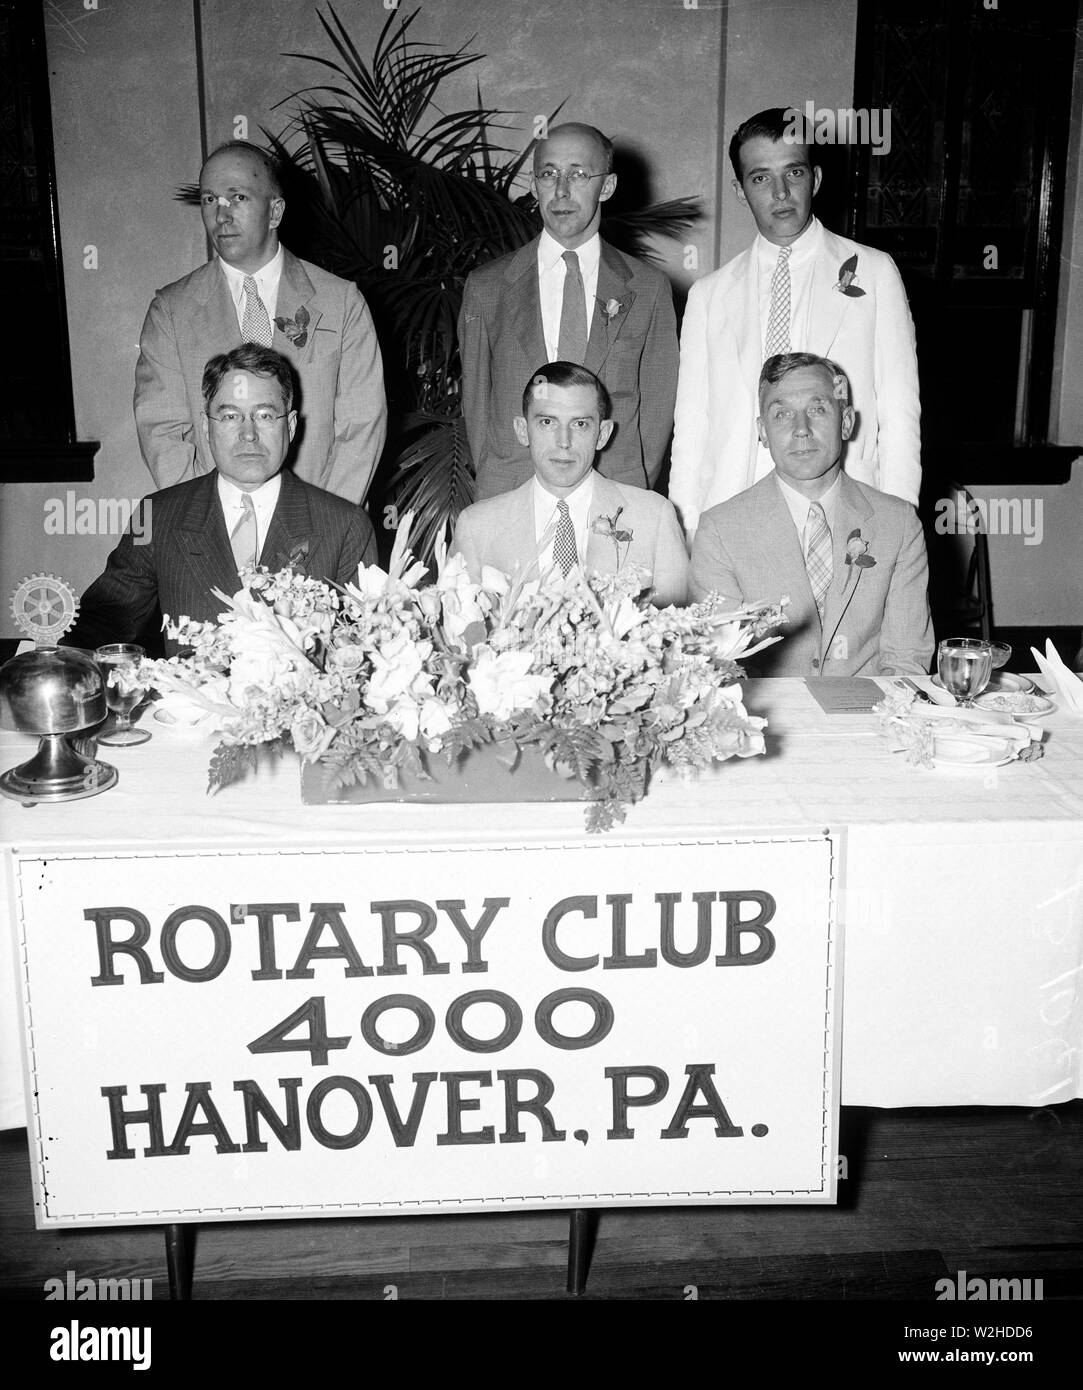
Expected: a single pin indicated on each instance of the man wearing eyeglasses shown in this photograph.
(199, 535)
(568, 296)
(255, 290)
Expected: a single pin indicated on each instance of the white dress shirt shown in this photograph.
(799, 504)
(552, 269)
(803, 253)
(266, 278)
(264, 500)
(545, 515)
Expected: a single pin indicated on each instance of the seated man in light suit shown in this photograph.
(851, 559)
(565, 421)
(196, 536)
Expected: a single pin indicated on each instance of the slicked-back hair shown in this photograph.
(565, 374)
(267, 162)
(603, 140)
(776, 123)
(783, 363)
(249, 357)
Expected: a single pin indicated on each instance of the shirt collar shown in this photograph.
(550, 252)
(264, 498)
(798, 504)
(545, 504)
(265, 277)
(802, 250)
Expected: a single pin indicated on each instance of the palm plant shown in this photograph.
(386, 190)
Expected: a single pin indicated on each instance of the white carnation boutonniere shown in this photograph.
(607, 526)
(847, 276)
(857, 552)
(611, 308)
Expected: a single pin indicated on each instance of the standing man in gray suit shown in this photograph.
(566, 513)
(198, 536)
(569, 296)
(256, 291)
(850, 558)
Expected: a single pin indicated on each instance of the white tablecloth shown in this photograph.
(962, 896)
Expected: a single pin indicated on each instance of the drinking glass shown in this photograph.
(964, 665)
(1001, 651)
(121, 660)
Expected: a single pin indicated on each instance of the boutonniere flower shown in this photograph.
(847, 276)
(607, 526)
(298, 555)
(295, 329)
(611, 308)
(857, 551)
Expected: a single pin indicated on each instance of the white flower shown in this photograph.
(398, 670)
(501, 684)
(311, 734)
(462, 601)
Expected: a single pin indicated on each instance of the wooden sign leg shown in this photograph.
(581, 1232)
(178, 1257)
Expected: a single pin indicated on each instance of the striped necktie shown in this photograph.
(243, 537)
(564, 551)
(572, 342)
(778, 320)
(818, 559)
(256, 326)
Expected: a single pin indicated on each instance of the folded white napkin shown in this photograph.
(978, 722)
(1064, 682)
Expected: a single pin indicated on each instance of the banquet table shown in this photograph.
(961, 894)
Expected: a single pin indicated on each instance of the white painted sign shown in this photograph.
(219, 1036)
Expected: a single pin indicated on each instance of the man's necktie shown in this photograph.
(778, 320)
(256, 327)
(572, 343)
(243, 538)
(564, 552)
(818, 559)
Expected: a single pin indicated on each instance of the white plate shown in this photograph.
(1000, 683)
(1041, 704)
(960, 751)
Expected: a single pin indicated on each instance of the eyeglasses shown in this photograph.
(549, 178)
(263, 417)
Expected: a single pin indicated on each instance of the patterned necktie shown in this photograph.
(818, 559)
(778, 320)
(256, 327)
(564, 551)
(572, 342)
(243, 538)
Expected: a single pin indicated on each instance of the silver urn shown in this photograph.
(54, 692)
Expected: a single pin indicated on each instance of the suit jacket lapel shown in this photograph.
(782, 548)
(522, 275)
(601, 552)
(613, 277)
(828, 306)
(852, 513)
(742, 309)
(214, 318)
(295, 291)
(291, 537)
(203, 541)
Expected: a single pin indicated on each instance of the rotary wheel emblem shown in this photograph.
(44, 608)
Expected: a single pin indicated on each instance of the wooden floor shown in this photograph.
(997, 1193)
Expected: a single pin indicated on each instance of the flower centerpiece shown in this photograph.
(377, 680)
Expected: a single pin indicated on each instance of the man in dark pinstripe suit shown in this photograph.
(194, 537)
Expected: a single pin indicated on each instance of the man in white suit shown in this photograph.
(568, 513)
(256, 291)
(798, 288)
(850, 559)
